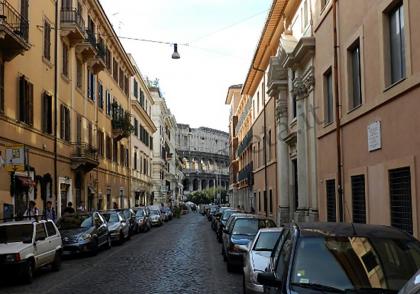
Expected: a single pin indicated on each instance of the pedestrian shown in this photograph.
(50, 212)
(81, 207)
(32, 211)
(69, 209)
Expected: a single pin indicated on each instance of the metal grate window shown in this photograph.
(358, 199)
(331, 203)
(400, 196)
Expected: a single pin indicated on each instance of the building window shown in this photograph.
(258, 103)
(115, 151)
(26, 99)
(100, 95)
(100, 143)
(141, 98)
(108, 148)
(65, 60)
(328, 96)
(400, 196)
(145, 166)
(358, 199)
(108, 59)
(90, 131)
(294, 106)
(91, 85)
(108, 103)
(47, 113)
(331, 203)
(269, 145)
(122, 155)
(136, 89)
(79, 73)
(126, 85)
(121, 78)
(127, 157)
(1, 87)
(271, 201)
(265, 201)
(151, 143)
(47, 40)
(115, 70)
(135, 159)
(136, 127)
(355, 78)
(397, 43)
(64, 123)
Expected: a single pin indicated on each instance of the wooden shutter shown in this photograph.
(67, 124)
(30, 103)
(62, 121)
(21, 98)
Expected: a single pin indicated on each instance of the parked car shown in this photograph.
(142, 219)
(222, 222)
(239, 233)
(213, 210)
(341, 258)
(84, 233)
(168, 213)
(26, 246)
(130, 217)
(216, 218)
(163, 214)
(412, 286)
(118, 227)
(156, 217)
(258, 258)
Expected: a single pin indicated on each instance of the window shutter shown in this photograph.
(21, 98)
(67, 124)
(62, 120)
(30, 104)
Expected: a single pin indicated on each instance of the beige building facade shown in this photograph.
(141, 141)
(375, 112)
(76, 141)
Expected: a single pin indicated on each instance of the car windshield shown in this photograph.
(74, 222)
(154, 212)
(250, 226)
(16, 233)
(227, 214)
(127, 214)
(266, 241)
(355, 262)
(140, 212)
(111, 217)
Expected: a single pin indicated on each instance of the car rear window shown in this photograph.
(266, 241)
(250, 226)
(16, 233)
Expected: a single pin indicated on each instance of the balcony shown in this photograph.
(121, 123)
(72, 26)
(246, 174)
(97, 63)
(14, 32)
(245, 143)
(84, 158)
(87, 49)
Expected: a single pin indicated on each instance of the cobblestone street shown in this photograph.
(182, 256)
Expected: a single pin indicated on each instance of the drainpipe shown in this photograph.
(337, 118)
(56, 106)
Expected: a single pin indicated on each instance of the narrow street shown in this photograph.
(183, 256)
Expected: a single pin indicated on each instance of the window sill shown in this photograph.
(47, 62)
(387, 88)
(355, 108)
(327, 124)
(79, 90)
(65, 78)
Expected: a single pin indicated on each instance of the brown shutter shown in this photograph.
(30, 103)
(67, 123)
(21, 98)
(62, 119)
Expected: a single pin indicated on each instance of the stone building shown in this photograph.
(205, 156)
(69, 114)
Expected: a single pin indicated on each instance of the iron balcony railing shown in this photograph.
(85, 150)
(91, 38)
(247, 174)
(11, 17)
(101, 50)
(72, 16)
(245, 143)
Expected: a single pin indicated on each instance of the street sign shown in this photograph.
(15, 158)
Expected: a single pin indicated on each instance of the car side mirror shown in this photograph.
(268, 279)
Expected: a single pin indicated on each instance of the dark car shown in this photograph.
(238, 235)
(222, 222)
(168, 212)
(216, 218)
(142, 219)
(130, 216)
(341, 258)
(212, 211)
(118, 227)
(84, 233)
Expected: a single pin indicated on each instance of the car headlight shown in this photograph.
(85, 237)
(12, 257)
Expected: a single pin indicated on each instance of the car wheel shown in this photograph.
(95, 248)
(56, 264)
(28, 273)
(229, 267)
(243, 283)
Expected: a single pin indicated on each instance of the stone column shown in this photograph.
(300, 90)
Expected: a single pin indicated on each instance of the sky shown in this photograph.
(217, 40)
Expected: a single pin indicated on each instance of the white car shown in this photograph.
(25, 246)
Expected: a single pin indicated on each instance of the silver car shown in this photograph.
(119, 228)
(258, 258)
